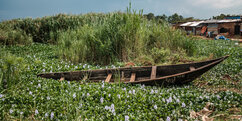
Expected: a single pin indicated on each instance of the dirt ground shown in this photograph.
(233, 39)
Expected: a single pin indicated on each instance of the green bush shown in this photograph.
(10, 69)
(14, 37)
(159, 55)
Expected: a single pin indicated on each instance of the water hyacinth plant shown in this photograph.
(99, 41)
(46, 99)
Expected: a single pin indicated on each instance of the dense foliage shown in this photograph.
(100, 38)
(96, 41)
(46, 99)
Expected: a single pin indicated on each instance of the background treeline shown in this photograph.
(223, 16)
(175, 18)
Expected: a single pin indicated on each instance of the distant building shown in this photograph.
(192, 27)
(227, 27)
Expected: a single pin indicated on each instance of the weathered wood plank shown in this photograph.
(122, 76)
(108, 77)
(62, 78)
(192, 68)
(153, 72)
(132, 79)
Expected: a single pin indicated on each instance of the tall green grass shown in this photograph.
(9, 36)
(121, 37)
(100, 38)
(11, 68)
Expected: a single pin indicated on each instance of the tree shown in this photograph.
(175, 18)
(150, 16)
(221, 16)
(163, 17)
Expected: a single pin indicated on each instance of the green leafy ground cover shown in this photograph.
(32, 98)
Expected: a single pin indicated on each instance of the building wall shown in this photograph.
(229, 26)
(193, 30)
(240, 29)
(198, 30)
(213, 28)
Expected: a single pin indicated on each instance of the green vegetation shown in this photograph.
(120, 37)
(100, 38)
(223, 16)
(174, 18)
(94, 41)
(44, 99)
(11, 68)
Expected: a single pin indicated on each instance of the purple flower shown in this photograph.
(218, 97)
(36, 112)
(118, 96)
(1, 95)
(169, 100)
(103, 85)
(152, 91)
(126, 118)
(52, 115)
(177, 100)
(101, 100)
(10, 111)
(74, 95)
(155, 107)
(142, 86)
(168, 118)
(46, 115)
(112, 106)
(106, 108)
(183, 105)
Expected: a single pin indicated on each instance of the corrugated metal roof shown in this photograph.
(229, 20)
(222, 21)
(192, 24)
(210, 21)
(196, 23)
(186, 24)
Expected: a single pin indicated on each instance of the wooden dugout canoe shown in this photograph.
(148, 75)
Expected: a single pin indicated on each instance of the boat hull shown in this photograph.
(148, 75)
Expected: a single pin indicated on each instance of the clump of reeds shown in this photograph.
(102, 38)
(10, 69)
(121, 37)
